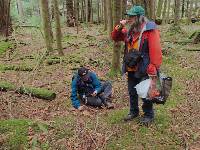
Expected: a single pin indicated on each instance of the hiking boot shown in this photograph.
(130, 117)
(109, 105)
(146, 120)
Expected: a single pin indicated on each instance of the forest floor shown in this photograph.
(31, 123)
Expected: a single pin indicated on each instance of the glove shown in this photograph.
(94, 93)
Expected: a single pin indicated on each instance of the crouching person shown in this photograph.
(87, 88)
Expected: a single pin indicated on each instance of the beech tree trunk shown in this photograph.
(109, 17)
(117, 45)
(105, 16)
(5, 20)
(70, 13)
(58, 29)
(160, 3)
(176, 12)
(46, 24)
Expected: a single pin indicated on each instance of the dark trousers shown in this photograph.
(147, 104)
(102, 97)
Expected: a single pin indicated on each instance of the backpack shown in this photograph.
(132, 58)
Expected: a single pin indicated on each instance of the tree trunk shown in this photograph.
(196, 5)
(190, 11)
(5, 20)
(160, 3)
(82, 11)
(76, 11)
(89, 10)
(168, 11)
(117, 45)
(123, 8)
(110, 18)
(164, 12)
(91, 13)
(70, 13)
(98, 15)
(152, 14)
(187, 8)
(146, 5)
(105, 16)
(58, 29)
(183, 9)
(176, 12)
(20, 9)
(46, 24)
(86, 11)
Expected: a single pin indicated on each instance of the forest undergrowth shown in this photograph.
(31, 123)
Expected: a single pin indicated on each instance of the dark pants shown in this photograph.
(102, 97)
(147, 104)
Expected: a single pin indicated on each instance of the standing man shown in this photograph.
(142, 57)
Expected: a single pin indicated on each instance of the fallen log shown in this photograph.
(32, 91)
(16, 68)
(37, 92)
(6, 86)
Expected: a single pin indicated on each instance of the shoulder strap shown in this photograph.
(140, 37)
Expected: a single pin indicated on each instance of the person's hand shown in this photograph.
(94, 93)
(81, 108)
(123, 22)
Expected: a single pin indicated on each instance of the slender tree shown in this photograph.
(98, 14)
(190, 11)
(20, 9)
(164, 11)
(168, 11)
(105, 16)
(176, 12)
(86, 11)
(58, 29)
(160, 3)
(123, 8)
(183, 9)
(70, 13)
(110, 18)
(91, 12)
(46, 24)
(117, 45)
(5, 20)
(152, 14)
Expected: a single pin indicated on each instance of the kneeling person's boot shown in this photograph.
(109, 105)
(130, 117)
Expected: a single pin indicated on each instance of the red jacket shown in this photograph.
(153, 36)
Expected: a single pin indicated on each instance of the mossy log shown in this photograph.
(6, 86)
(53, 61)
(37, 92)
(16, 68)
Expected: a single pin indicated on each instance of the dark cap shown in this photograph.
(83, 73)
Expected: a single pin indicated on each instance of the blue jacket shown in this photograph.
(81, 88)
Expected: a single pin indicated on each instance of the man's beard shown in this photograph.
(136, 26)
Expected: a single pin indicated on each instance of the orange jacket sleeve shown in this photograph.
(155, 53)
